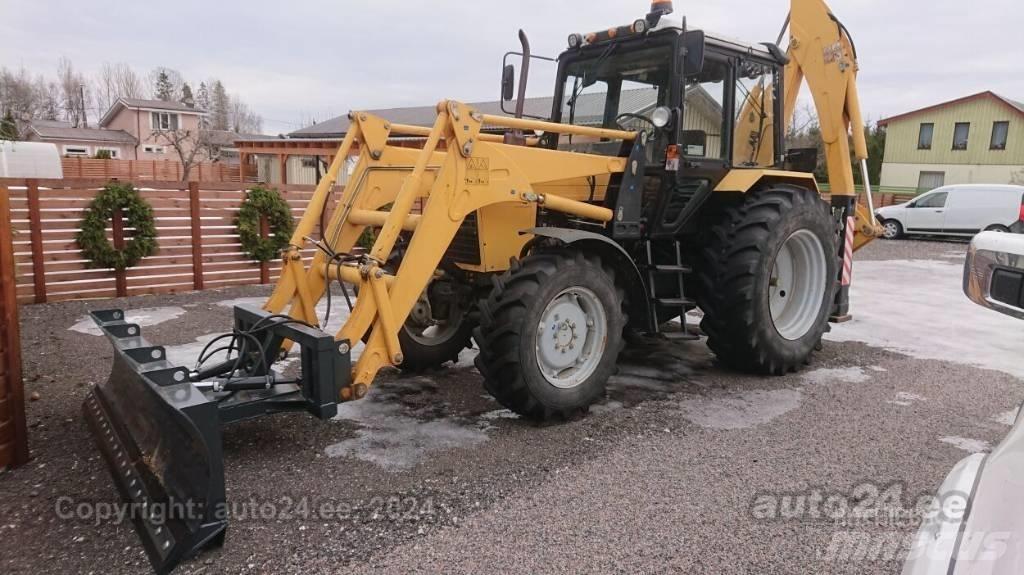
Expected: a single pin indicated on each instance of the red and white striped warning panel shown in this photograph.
(848, 252)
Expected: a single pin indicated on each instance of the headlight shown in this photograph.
(661, 116)
(640, 26)
(575, 40)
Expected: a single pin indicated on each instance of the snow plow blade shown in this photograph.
(161, 439)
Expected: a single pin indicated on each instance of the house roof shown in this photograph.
(589, 111)
(141, 104)
(228, 138)
(1012, 104)
(57, 130)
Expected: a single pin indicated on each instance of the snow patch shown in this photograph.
(968, 445)
(826, 375)
(144, 317)
(904, 398)
(1007, 417)
(877, 368)
(740, 410)
(917, 307)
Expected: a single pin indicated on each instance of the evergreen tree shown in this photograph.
(203, 103)
(186, 96)
(164, 89)
(8, 129)
(221, 104)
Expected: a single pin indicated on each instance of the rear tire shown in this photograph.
(550, 334)
(998, 228)
(892, 230)
(768, 279)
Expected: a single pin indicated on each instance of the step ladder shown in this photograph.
(678, 300)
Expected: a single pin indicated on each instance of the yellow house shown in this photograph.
(974, 140)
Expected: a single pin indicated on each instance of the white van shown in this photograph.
(957, 210)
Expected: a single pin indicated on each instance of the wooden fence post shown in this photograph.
(13, 431)
(264, 266)
(197, 236)
(36, 237)
(120, 276)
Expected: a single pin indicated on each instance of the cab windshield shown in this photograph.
(614, 87)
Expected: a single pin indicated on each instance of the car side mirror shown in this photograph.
(508, 82)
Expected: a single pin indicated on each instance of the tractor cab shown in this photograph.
(703, 105)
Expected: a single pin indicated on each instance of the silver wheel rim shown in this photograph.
(890, 230)
(571, 337)
(797, 285)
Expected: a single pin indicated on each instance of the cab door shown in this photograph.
(927, 214)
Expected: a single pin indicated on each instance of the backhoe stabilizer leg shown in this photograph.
(844, 210)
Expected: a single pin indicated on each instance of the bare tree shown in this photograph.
(74, 94)
(115, 81)
(191, 146)
(242, 119)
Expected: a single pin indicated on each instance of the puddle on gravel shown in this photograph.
(889, 312)
(968, 445)
(740, 410)
(400, 423)
(651, 369)
(145, 317)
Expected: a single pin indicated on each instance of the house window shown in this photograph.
(961, 131)
(308, 162)
(924, 137)
(114, 152)
(76, 151)
(928, 181)
(163, 121)
(153, 149)
(999, 132)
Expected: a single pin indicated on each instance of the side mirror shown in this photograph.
(508, 83)
(693, 62)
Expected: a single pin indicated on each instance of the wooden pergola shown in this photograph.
(284, 148)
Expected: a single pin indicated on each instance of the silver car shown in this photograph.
(977, 524)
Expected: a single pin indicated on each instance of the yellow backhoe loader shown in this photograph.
(658, 183)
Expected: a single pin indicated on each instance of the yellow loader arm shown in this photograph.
(822, 53)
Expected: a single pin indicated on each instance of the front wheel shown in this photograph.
(892, 230)
(768, 278)
(550, 334)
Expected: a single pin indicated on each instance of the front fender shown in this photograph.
(627, 274)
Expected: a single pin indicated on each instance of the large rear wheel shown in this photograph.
(550, 334)
(768, 278)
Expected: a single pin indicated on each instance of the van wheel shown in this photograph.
(891, 230)
(998, 228)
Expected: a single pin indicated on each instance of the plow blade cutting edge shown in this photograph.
(161, 439)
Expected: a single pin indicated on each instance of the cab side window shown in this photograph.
(933, 201)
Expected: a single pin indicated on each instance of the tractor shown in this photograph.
(657, 184)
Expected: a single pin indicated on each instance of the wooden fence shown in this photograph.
(13, 440)
(153, 170)
(198, 241)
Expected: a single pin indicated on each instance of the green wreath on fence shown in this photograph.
(261, 201)
(138, 215)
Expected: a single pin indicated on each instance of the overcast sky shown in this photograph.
(296, 60)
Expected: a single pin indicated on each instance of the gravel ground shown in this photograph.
(685, 467)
